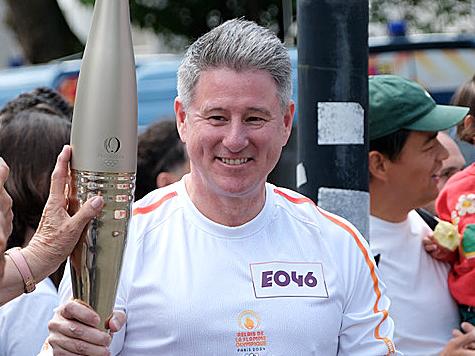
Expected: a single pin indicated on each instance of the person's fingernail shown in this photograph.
(96, 202)
(113, 323)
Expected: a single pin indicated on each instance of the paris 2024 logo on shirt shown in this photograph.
(251, 340)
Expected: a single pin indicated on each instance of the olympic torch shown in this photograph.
(104, 151)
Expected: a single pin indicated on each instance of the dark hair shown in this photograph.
(390, 145)
(42, 99)
(159, 150)
(465, 96)
(30, 143)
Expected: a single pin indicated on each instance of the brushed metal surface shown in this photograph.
(97, 258)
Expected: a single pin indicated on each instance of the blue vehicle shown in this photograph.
(439, 62)
(156, 83)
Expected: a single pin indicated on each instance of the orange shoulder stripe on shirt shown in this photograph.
(149, 208)
(368, 261)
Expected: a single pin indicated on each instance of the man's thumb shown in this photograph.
(117, 321)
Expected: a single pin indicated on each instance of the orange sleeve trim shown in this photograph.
(368, 261)
(149, 208)
(293, 199)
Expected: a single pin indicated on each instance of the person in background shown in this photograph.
(404, 158)
(465, 96)
(221, 262)
(41, 99)
(453, 164)
(57, 232)
(456, 204)
(53, 241)
(24, 124)
(38, 99)
(161, 158)
(49, 102)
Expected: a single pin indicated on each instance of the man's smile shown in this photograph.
(233, 161)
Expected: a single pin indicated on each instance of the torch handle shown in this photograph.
(97, 258)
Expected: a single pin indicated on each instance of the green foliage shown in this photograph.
(421, 15)
(192, 18)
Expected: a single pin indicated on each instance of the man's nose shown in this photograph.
(236, 137)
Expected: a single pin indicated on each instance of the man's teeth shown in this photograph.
(234, 161)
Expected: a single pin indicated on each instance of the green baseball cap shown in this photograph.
(396, 103)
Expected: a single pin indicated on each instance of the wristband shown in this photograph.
(22, 266)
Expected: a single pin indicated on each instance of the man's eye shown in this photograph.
(255, 120)
(429, 146)
(216, 119)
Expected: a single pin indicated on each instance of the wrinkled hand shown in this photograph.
(438, 252)
(58, 232)
(6, 214)
(462, 343)
(73, 330)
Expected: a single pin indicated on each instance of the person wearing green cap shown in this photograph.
(404, 157)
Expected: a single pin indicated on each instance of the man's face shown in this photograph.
(413, 175)
(454, 163)
(234, 131)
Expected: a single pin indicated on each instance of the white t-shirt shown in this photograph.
(293, 281)
(423, 311)
(24, 320)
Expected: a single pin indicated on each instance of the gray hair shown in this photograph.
(239, 45)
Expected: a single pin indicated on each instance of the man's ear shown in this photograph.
(288, 121)
(180, 116)
(378, 165)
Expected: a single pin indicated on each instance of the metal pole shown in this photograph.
(287, 20)
(472, 11)
(332, 165)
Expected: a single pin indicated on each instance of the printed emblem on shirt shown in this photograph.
(288, 279)
(468, 241)
(465, 205)
(250, 339)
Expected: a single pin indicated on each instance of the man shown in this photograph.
(453, 164)
(405, 156)
(221, 262)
